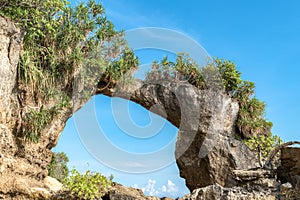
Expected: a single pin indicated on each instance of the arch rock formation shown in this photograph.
(206, 151)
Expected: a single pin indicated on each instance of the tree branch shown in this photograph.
(276, 150)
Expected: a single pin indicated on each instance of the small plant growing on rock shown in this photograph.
(36, 121)
(263, 145)
(91, 185)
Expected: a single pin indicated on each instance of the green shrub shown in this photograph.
(61, 39)
(87, 186)
(263, 145)
(221, 74)
(36, 121)
(63, 44)
(231, 77)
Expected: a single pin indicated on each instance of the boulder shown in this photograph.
(217, 192)
(52, 184)
(289, 169)
(119, 192)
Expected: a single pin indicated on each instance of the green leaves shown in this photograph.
(36, 121)
(263, 145)
(90, 185)
(63, 44)
(60, 39)
(221, 74)
(230, 76)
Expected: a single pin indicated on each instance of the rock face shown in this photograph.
(119, 192)
(213, 152)
(216, 192)
(22, 163)
(206, 151)
(12, 168)
(10, 40)
(289, 170)
(253, 185)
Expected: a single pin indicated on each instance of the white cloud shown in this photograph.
(170, 189)
(164, 189)
(149, 189)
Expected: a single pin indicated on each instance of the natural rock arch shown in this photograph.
(206, 150)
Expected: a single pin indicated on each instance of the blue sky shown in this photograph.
(261, 37)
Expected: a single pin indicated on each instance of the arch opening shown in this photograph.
(128, 154)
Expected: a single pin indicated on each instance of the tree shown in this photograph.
(58, 166)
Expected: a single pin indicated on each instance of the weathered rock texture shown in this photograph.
(289, 171)
(216, 192)
(115, 192)
(23, 164)
(206, 151)
(119, 192)
(15, 172)
(253, 185)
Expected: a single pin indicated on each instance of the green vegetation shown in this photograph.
(184, 69)
(90, 185)
(58, 166)
(62, 45)
(252, 127)
(263, 145)
(221, 74)
(87, 186)
(37, 121)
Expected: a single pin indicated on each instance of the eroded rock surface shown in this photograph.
(252, 185)
(119, 192)
(206, 151)
(23, 164)
(216, 192)
(289, 170)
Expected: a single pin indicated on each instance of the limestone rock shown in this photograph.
(216, 192)
(289, 170)
(212, 152)
(10, 41)
(119, 192)
(52, 184)
(206, 151)
(19, 187)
